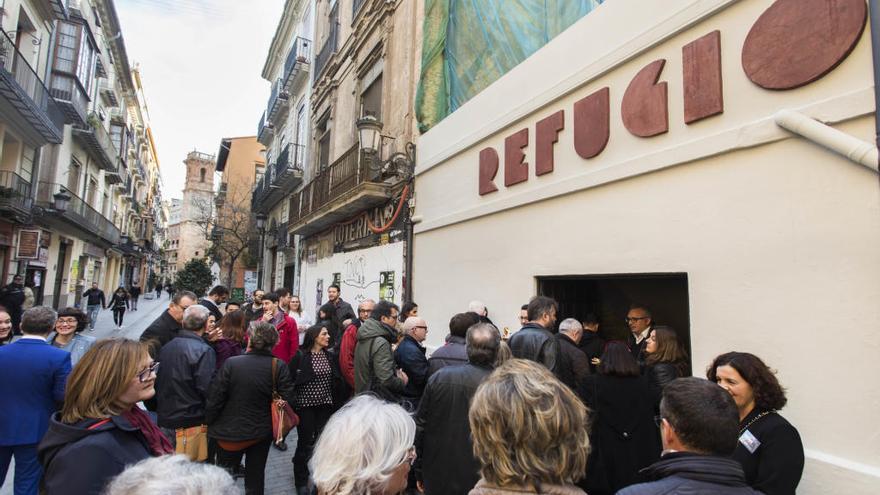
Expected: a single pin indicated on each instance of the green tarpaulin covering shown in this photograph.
(468, 44)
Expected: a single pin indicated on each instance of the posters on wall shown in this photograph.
(386, 286)
(250, 281)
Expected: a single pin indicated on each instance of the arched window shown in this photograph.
(202, 175)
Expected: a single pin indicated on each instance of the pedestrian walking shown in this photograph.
(5, 327)
(528, 431)
(445, 464)
(623, 435)
(188, 365)
(101, 429)
(118, 304)
(769, 448)
(699, 425)
(12, 298)
(94, 302)
(34, 376)
(170, 290)
(238, 413)
(158, 291)
(134, 293)
(320, 390)
(67, 336)
(366, 447)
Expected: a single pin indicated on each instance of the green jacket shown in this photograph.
(374, 368)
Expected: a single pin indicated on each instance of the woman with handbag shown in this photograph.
(319, 392)
(240, 404)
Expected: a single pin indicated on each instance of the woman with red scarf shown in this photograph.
(101, 429)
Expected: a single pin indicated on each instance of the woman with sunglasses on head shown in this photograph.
(101, 430)
(366, 447)
(769, 448)
(70, 323)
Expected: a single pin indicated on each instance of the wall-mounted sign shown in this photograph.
(386, 286)
(28, 245)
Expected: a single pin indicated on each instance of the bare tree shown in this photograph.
(229, 224)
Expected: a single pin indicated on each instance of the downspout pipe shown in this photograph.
(874, 6)
(852, 148)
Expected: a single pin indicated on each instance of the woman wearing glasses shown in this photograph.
(101, 429)
(366, 447)
(68, 326)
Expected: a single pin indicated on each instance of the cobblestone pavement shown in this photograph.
(279, 469)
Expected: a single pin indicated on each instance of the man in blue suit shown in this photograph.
(34, 375)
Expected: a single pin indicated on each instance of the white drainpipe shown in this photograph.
(837, 141)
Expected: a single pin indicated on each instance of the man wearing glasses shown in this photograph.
(639, 321)
(410, 357)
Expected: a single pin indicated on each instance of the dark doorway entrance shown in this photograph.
(609, 297)
(288, 277)
(60, 270)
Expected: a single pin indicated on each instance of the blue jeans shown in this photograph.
(27, 468)
(93, 314)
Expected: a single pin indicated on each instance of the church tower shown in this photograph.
(196, 207)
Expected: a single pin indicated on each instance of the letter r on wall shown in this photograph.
(488, 170)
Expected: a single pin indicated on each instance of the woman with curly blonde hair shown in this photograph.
(529, 431)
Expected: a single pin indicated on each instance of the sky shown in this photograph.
(201, 64)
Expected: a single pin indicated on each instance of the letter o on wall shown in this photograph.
(796, 42)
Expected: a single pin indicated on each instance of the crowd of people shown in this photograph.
(552, 408)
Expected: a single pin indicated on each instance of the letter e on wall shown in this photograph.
(516, 169)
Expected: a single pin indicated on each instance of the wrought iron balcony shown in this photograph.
(297, 64)
(265, 131)
(277, 101)
(70, 97)
(327, 50)
(347, 186)
(15, 195)
(281, 177)
(25, 101)
(78, 214)
(96, 141)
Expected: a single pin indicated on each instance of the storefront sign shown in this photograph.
(792, 44)
(28, 244)
(359, 228)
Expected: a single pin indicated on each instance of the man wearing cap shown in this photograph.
(410, 357)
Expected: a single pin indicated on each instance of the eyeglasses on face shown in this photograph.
(67, 320)
(145, 374)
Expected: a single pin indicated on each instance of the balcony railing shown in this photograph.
(341, 177)
(78, 213)
(98, 143)
(297, 61)
(265, 130)
(329, 48)
(277, 100)
(70, 97)
(15, 193)
(20, 84)
(281, 177)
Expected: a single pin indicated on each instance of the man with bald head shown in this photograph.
(410, 357)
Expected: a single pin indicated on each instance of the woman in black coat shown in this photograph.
(328, 319)
(238, 412)
(769, 447)
(665, 360)
(320, 391)
(624, 437)
(118, 304)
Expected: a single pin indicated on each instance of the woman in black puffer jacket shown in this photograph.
(666, 360)
(238, 413)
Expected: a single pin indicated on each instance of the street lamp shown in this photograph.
(62, 200)
(261, 224)
(369, 134)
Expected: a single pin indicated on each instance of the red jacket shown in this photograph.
(346, 354)
(288, 339)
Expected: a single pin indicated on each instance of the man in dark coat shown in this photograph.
(12, 297)
(166, 326)
(534, 341)
(254, 311)
(444, 462)
(453, 352)
(343, 309)
(699, 426)
(135, 293)
(95, 300)
(374, 368)
(410, 357)
(591, 343)
(216, 297)
(182, 383)
(577, 366)
(640, 321)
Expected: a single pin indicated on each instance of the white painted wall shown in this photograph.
(779, 237)
(360, 275)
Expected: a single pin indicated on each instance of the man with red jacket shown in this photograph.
(349, 341)
(288, 336)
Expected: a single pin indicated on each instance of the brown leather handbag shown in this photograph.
(283, 417)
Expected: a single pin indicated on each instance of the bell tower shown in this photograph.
(198, 191)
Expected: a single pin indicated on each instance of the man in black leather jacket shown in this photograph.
(184, 377)
(534, 341)
(444, 461)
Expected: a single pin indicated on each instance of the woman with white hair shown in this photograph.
(172, 474)
(366, 448)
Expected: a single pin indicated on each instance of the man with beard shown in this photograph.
(534, 341)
